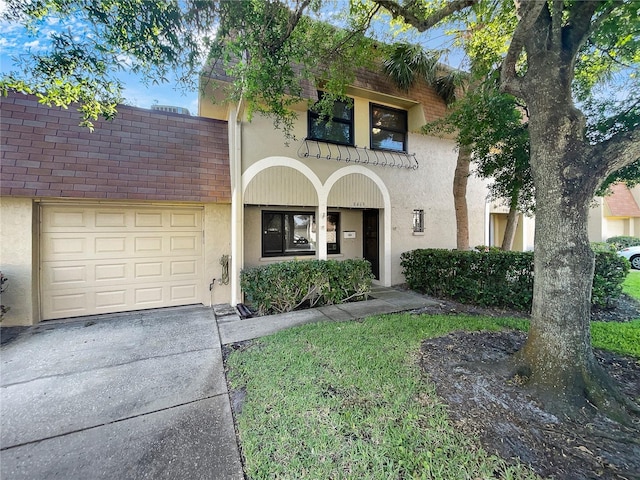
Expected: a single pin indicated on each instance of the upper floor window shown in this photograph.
(388, 128)
(335, 129)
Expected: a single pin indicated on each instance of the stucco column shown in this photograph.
(321, 227)
(237, 207)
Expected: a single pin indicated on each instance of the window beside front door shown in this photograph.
(337, 128)
(388, 128)
(294, 233)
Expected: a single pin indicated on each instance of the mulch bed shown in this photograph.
(465, 368)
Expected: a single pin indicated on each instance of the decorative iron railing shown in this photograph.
(357, 155)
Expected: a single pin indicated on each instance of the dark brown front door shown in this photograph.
(371, 246)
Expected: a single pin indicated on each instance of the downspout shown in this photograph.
(237, 207)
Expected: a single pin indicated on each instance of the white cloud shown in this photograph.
(33, 45)
(6, 43)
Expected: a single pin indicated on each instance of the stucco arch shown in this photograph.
(335, 178)
(291, 175)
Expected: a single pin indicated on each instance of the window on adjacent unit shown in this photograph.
(294, 233)
(335, 129)
(388, 128)
(418, 221)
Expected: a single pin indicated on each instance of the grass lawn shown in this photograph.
(631, 284)
(347, 400)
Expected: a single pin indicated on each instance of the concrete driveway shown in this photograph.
(125, 396)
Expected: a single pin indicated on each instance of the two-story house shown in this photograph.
(365, 183)
(158, 209)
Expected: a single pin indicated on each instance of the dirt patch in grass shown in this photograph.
(484, 401)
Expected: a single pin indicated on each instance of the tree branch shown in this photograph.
(556, 22)
(580, 24)
(528, 13)
(618, 151)
(416, 20)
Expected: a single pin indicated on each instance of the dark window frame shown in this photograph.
(418, 220)
(315, 118)
(333, 248)
(404, 131)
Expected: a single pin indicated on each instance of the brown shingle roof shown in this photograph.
(621, 202)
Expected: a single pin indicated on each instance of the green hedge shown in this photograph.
(496, 278)
(622, 241)
(286, 286)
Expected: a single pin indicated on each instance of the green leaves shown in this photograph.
(79, 61)
(285, 286)
(407, 63)
(493, 277)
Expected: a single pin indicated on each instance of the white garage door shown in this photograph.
(98, 259)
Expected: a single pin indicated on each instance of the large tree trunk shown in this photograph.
(460, 179)
(557, 357)
(510, 228)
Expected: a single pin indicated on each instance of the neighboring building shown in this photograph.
(170, 109)
(367, 184)
(497, 224)
(616, 214)
(132, 215)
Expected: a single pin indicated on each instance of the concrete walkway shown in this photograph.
(384, 300)
(139, 395)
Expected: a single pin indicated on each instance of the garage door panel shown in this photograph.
(110, 245)
(184, 220)
(147, 270)
(67, 304)
(110, 299)
(148, 219)
(183, 293)
(110, 219)
(103, 259)
(66, 274)
(111, 272)
(183, 267)
(149, 295)
(185, 244)
(65, 247)
(67, 218)
(147, 245)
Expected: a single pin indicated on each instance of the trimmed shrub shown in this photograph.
(488, 277)
(491, 277)
(622, 241)
(610, 273)
(603, 247)
(286, 286)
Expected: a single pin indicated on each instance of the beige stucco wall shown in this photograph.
(17, 257)
(217, 239)
(596, 223)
